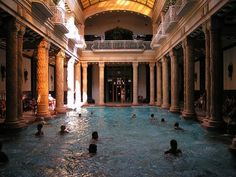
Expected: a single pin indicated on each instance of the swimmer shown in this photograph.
(133, 115)
(173, 148)
(176, 126)
(63, 130)
(39, 132)
(3, 156)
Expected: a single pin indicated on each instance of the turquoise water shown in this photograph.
(127, 147)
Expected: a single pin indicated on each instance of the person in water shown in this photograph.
(93, 143)
(133, 115)
(39, 132)
(3, 156)
(163, 120)
(177, 127)
(173, 148)
(63, 130)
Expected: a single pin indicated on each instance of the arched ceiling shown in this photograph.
(91, 7)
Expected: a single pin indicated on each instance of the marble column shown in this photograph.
(189, 111)
(135, 83)
(165, 85)
(78, 84)
(85, 83)
(60, 58)
(159, 84)
(152, 84)
(215, 120)
(207, 68)
(101, 83)
(12, 119)
(174, 82)
(70, 83)
(42, 79)
(20, 69)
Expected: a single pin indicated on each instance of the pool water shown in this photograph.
(128, 147)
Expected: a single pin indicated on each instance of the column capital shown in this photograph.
(151, 64)
(84, 64)
(12, 25)
(101, 64)
(135, 64)
(44, 44)
(172, 53)
(21, 30)
(164, 59)
(187, 42)
(61, 54)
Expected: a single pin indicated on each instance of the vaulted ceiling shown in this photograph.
(86, 3)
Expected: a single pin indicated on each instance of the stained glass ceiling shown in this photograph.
(88, 3)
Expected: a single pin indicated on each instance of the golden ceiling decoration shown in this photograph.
(87, 3)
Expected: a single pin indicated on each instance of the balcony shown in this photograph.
(171, 18)
(118, 45)
(42, 7)
(184, 6)
(159, 37)
(59, 19)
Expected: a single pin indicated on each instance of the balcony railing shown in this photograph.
(184, 6)
(170, 18)
(59, 19)
(42, 7)
(159, 36)
(118, 45)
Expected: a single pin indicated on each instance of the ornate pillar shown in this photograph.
(70, 83)
(101, 83)
(165, 85)
(159, 86)
(60, 58)
(78, 84)
(189, 111)
(207, 68)
(85, 82)
(152, 82)
(42, 79)
(174, 82)
(215, 120)
(135, 83)
(12, 120)
(20, 69)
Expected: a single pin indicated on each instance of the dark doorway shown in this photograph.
(119, 34)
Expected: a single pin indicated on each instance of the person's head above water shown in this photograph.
(152, 115)
(63, 128)
(176, 125)
(39, 127)
(95, 135)
(162, 120)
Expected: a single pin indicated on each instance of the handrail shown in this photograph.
(118, 45)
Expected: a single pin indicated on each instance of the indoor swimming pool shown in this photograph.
(128, 147)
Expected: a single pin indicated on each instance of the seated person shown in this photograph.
(63, 130)
(176, 126)
(39, 132)
(173, 148)
(92, 148)
(3, 156)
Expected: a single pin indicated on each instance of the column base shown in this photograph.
(213, 125)
(174, 109)
(135, 104)
(188, 115)
(152, 104)
(14, 125)
(165, 106)
(232, 147)
(46, 115)
(60, 110)
(159, 104)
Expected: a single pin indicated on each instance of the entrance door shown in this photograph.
(119, 84)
